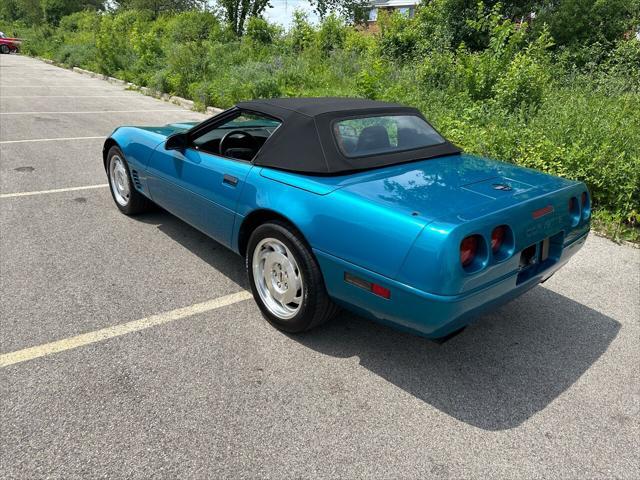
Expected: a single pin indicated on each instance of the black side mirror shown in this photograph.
(177, 141)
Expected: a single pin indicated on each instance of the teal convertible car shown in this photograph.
(354, 203)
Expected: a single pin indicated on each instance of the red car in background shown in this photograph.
(8, 45)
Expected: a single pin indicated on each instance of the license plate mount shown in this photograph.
(539, 256)
(544, 249)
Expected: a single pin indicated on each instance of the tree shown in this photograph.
(29, 11)
(162, 6)
(51, 11)
(573, 22)
(352, 10)
(54, 10)
(236, 12)
(8, 10)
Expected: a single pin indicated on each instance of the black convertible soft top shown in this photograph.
(305, 142)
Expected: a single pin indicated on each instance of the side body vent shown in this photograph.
(136, 179)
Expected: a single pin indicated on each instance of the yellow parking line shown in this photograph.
(119, 330)
(56, 190)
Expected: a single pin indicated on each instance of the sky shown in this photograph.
(282, 11)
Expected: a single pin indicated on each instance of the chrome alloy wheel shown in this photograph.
(278, 278)
(119, 180)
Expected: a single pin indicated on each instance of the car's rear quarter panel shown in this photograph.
(358, 231)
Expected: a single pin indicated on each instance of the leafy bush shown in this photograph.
(301, 35)
(261, 32)
(523, 84)
(622, 67)
(112, 41)
(438, 70)
(193, 27)
(186, 64)
(75, 55)
(357, 43)
(331, 35)
(370, 82)
(266, 88)
(584, 22)
(398, 39)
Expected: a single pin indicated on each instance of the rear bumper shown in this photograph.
(425, 313)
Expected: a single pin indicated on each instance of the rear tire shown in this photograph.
(128, 200)
(285, 279)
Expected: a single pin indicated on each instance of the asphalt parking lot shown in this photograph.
(547, 386)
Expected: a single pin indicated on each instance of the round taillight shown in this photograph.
(497, 237)
(584, 199)
(573, 204)
(468, 250)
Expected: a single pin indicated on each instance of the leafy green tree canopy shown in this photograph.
(34, 12)
(236, 12)
(573, 22)
(161, 6)
(54, 10)
(352, 10)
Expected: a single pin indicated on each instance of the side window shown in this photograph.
(239, 137)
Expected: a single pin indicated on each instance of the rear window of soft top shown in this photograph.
(375, 135)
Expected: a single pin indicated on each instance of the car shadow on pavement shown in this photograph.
(218, 256)
(500, 371)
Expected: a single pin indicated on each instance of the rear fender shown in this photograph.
(351, 228)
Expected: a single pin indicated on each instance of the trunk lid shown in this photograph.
(455, 187)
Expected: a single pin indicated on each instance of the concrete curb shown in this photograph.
(183, 102)
(624, 243)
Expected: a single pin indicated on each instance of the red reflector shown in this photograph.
(541, 212)
(380, 291)
(468, 249)
(369, 286)
(497, 237)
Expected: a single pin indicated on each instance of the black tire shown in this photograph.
(316, 306)
(5, 49)
(137, 203)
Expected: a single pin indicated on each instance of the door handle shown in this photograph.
(230, 180)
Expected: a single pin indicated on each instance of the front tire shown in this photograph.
(128, 200)
(285, 279)
(5, 49)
